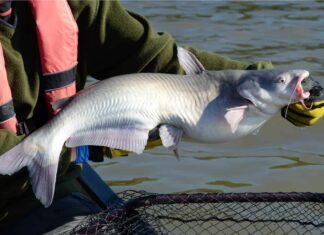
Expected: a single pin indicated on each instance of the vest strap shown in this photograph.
(7, 111)
(26, 127)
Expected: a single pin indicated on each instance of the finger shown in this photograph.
(295, 119)
(296, 114)
(73, 154)
(305, 113)
(296, 122)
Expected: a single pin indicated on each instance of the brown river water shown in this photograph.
(280, 157)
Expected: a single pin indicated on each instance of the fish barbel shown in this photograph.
(119, 112)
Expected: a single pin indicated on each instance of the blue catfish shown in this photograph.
(119, 112)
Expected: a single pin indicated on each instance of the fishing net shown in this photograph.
(209, 213)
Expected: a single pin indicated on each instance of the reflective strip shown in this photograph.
(58, 80)
(7, 111)
(7, 114)
(57, 34)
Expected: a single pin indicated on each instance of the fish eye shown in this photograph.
(281, 80)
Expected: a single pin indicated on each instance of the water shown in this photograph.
(280, 157)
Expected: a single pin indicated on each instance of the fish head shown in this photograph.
(271, 90)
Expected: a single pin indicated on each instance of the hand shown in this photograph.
(80, 154)
(73, 154)
(300, 116)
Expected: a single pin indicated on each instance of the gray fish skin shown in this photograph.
(202, 106)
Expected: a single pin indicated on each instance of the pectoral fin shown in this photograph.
(234, 116)
(171, 137)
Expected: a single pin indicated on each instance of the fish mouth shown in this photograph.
(250, 101)
(301, 93)
(247, 97)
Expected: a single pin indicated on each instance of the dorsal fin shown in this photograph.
(189, 62)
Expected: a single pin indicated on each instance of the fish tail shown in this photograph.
(41, 161)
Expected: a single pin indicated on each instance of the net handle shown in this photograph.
(224, 198)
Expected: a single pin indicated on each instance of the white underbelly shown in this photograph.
(220, 130)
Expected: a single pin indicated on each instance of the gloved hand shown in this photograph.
(300, 116)
(108, 152)
(88, 153)
(82, 154)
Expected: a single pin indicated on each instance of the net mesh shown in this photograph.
(209, 213)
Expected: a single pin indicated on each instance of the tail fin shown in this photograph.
(41, 163)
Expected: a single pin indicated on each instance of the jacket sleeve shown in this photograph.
(8, 140)
(115, 41)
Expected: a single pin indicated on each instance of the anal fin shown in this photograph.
(129, 139)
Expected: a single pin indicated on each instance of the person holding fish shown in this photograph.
(41, 68)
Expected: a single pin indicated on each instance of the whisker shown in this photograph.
(286, 111)
(301, 101)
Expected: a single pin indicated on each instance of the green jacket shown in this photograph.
(112, 41)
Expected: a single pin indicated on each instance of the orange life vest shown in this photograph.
(57, 34)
